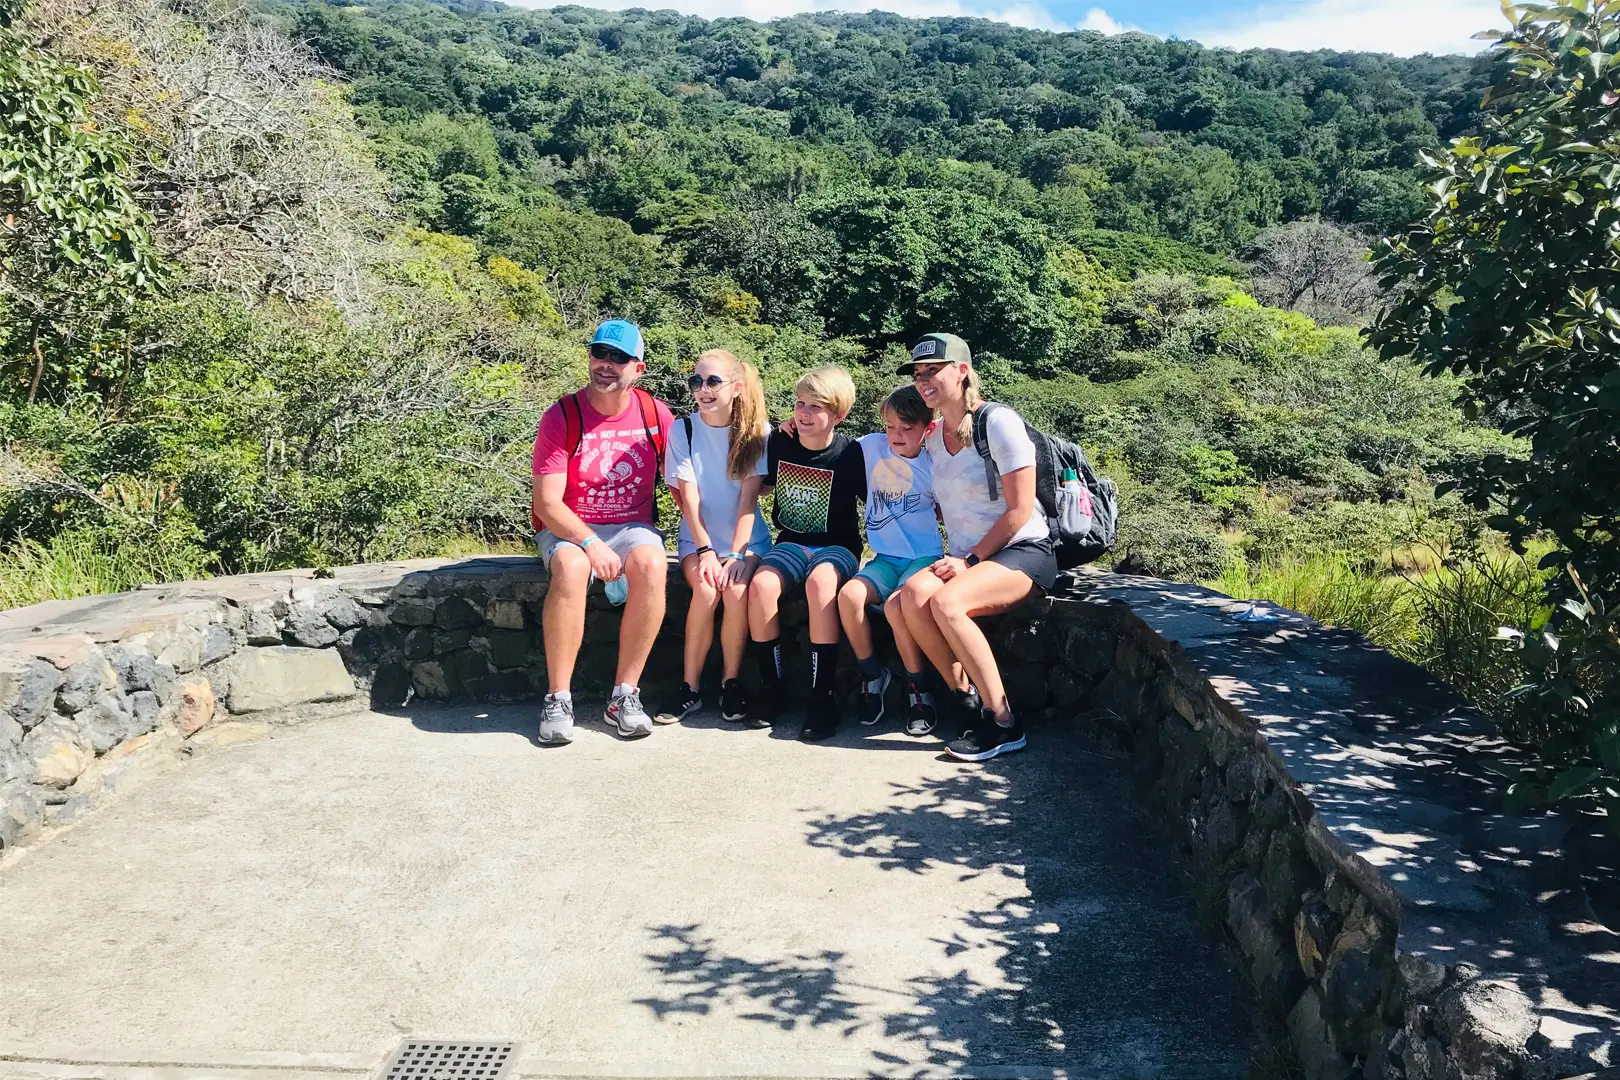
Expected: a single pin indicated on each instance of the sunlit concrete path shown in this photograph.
(707, 902)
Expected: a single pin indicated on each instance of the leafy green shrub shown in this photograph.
(1164, 538)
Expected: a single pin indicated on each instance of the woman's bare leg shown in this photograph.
(986, 589)
(699, 622)
(734, 622)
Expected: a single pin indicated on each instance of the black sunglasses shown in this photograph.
(610, 354)
(698, 382)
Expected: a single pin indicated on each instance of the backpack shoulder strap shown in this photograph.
(981, 443)
(686, 422)
(573, 422)
(649, 422)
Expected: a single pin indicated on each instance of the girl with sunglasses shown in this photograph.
(715, 462)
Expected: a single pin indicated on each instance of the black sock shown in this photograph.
(871, 668)
(920, 686)
(823, 662)
(768, 656)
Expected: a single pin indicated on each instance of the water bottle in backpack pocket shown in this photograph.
(1074, 505)
(1082, 507)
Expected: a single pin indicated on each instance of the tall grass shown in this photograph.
(74, 564)
(1333, 589)
(1443, 617)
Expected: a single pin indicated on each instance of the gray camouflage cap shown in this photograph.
(937, 348)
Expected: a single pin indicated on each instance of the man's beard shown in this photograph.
(608, 383)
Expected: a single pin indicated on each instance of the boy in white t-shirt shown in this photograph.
(902, 529)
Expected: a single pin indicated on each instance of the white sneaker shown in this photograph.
(556, 721)
(625, 715)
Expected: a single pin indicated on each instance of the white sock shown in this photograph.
(564, 696)
(622, 689)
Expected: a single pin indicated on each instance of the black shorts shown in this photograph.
(1034, 559)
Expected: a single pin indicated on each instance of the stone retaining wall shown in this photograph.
(1374, 902)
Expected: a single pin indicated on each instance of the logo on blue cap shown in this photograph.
(623, 335)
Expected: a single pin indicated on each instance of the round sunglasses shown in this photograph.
(610, 354)
(698, 382)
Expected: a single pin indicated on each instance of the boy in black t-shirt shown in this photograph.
(819, 476)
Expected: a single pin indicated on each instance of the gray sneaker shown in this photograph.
(625, 715)
(556, 722)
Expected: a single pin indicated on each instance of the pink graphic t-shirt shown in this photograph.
(613, 478)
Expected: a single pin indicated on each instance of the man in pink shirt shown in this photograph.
(596, 462)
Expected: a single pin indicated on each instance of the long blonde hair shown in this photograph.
(748, 417)
(972, 398)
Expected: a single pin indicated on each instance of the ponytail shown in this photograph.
(748, 417)
(972, 398)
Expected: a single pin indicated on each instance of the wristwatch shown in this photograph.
(972, 559)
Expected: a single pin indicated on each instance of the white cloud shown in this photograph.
(1404, 27)
(1030, 13)
(1098, 19)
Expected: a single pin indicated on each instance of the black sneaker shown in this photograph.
(686, 702)
(768, 707)
(965, 708)
(733, 702)
(921, 716)
(871, 710)
(821, 718)
(987, 740)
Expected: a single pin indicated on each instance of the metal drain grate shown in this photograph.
(450, 1059)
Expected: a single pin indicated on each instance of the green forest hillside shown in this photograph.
(334, 260)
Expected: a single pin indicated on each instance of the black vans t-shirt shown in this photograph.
(817, 491)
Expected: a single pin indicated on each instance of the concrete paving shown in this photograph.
(707, 902)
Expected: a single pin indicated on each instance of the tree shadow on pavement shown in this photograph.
(1090, 961)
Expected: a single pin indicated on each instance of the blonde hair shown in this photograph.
(972, 398)
(748, 417)
(829, 386)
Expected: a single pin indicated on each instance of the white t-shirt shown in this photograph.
(704, 464)
(964, 494)
(899, 501)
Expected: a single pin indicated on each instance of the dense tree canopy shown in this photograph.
(858, 174)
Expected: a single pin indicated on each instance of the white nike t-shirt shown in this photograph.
(899, 501)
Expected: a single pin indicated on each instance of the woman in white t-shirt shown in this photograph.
(714, 465)
(999, 550)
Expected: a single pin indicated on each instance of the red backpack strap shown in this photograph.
(649, 421)
(573, 423)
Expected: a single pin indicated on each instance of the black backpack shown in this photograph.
(1085, 520)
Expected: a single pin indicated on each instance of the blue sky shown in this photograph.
(1406, 27)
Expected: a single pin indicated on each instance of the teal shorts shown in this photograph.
(888, 572)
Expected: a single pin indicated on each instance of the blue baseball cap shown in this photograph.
(623, 335)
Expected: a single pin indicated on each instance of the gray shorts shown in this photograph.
(620, 539)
